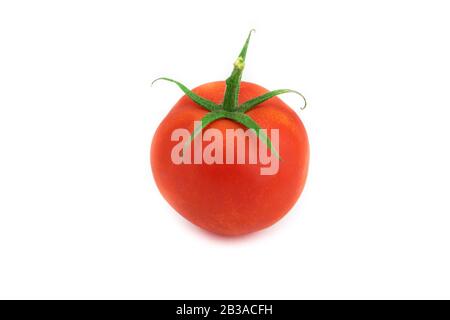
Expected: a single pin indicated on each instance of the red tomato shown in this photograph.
(232, 199)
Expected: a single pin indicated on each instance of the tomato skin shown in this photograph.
(236, 199)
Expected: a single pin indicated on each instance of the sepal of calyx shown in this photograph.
(229, 108)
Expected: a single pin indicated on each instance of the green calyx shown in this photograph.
(230, 109)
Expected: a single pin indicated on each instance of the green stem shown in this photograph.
(230, 108)
(233, 83)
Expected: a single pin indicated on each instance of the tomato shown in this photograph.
(231, 199)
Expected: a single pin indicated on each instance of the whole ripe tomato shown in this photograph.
(232, 199)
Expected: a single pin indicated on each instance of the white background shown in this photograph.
(80, 215)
